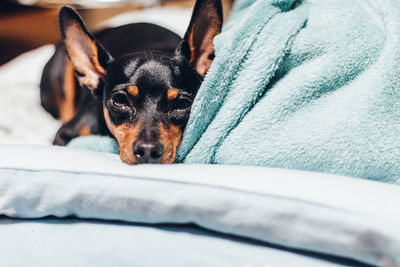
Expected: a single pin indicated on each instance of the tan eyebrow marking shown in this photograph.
(172, 94)
(133, 90)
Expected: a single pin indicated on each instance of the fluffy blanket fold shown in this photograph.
(311, 85)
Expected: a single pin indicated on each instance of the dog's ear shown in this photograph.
(197, 45)
(87, 55)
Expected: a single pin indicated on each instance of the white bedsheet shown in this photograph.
(22, 119)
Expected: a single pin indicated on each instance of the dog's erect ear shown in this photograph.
(88, 56)
(197, 44)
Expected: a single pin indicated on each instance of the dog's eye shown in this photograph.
(119, 100)
(182, 103)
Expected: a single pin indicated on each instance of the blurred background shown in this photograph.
(28, 24)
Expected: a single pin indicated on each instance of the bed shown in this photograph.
(64, 206)
(73, 207)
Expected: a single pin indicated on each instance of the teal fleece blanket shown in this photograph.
(311, 85)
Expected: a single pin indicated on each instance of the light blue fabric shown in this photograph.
(321, 213)
(71, 242)
(311, 85)
(95, 143)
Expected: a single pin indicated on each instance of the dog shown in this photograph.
(136, 82)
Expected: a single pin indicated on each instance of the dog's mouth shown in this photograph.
(147, 153)
(135, 149)
(144, 152)
(139, 151)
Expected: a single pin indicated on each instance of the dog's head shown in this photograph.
(146, 96)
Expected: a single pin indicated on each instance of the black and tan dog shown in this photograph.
(135, 82)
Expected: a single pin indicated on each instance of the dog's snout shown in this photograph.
(147, 152)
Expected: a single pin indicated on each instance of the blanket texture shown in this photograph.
(311, 85)
(95, 143)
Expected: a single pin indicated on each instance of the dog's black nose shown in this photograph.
(147, 152)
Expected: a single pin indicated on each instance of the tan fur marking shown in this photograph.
(110, 125)
(170, 137)
(84, 131)
(66, 104)
(95, 58)
(133, 90)
(172, 94)
(126, 135)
